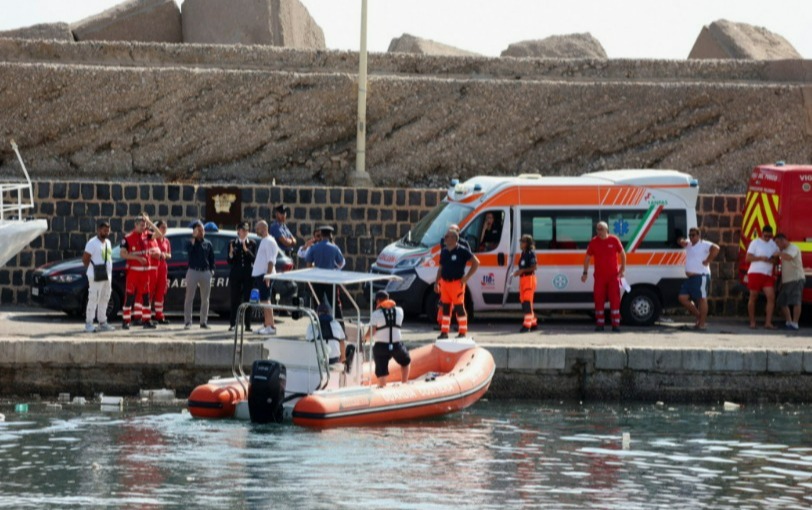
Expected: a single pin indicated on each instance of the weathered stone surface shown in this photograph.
(133, 20)
(408, 43)
(727, 39)
(499, 353)
(152, 353)
(531, 358)
(610, 358)
(641, 359)
(697, 360)
(47, 352)
(254, 114)
(46, 31)
(284, 23)
(785, 361)
(739, 361)
(558, 46)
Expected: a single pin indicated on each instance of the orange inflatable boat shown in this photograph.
(294, 380)
(445, 377)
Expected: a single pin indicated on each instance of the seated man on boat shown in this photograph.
(331, 332)
(386, 321)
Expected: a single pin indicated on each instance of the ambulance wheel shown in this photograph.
(640, 307)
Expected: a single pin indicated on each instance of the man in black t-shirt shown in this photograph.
(451, 280)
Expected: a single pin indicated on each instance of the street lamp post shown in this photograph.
(360, 177)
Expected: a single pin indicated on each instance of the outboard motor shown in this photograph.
(267, 391)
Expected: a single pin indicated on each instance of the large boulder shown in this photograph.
(285, 23)
(408, 43)
(727, 39)
(558, 46)
(48, 31)
(133, 20)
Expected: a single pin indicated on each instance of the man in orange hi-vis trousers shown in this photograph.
(527, 283)
(451, 278)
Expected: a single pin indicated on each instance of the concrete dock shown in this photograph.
(47, 353)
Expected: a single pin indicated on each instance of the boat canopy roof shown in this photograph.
(330, 277)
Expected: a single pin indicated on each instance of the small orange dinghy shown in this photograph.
(294, 379)
(447, 376)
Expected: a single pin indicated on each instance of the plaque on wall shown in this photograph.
(224, 206)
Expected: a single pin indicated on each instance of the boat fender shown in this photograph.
(349, 355)
(266, 391)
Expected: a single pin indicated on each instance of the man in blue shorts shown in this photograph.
(693, 293)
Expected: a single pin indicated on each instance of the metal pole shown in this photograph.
(361, 177)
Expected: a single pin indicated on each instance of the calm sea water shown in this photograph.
(496, 455)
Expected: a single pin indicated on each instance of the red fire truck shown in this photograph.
(780, 196)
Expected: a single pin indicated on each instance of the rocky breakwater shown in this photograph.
(257, 114)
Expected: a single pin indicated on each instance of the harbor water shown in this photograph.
(495, 455)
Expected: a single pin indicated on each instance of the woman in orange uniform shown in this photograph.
(527, 283)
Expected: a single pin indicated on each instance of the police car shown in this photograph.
(63, 285)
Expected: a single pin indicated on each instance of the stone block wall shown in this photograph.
(366, 220)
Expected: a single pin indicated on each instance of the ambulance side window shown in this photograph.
(558, 230)
(663, 233)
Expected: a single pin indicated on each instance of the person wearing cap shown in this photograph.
(98, 260)
(693, 293)
(265, 263)
(331, 333)
(135, 250)
(160, 284)
(280, 231)
(793, 280)
(606, 249)
(462, 242)
(326, 255)
(241, 254)
(386, 322)
(199, 274)
(761, 254)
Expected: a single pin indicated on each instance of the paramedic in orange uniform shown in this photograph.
(451, 279)
(527, 283)
(606, 248)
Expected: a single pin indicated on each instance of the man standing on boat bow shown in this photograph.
(386, 321)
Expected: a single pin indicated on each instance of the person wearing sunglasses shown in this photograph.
(693, 293)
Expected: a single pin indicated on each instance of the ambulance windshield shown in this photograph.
(429, 231)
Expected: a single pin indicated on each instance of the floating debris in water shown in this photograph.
(21, 408)
(162, 394)
(64, 398)
(79, 401)
(627, 440)
(50, 406)
(112, 403)
(731, 406)
(660, 403)
(2, 417)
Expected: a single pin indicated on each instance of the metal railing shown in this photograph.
(10, 190)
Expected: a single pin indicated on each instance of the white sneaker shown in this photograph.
(106, 327)
(89, 328)
(267, 330)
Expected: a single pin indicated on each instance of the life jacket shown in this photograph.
(325, 322)
(390, 317)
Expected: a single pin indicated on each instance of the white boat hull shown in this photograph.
(16, 235)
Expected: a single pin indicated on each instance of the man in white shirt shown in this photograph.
(793, 280)
(386, 321)
(760, 255)
(265, 263)
(693, 294)
(98, 260)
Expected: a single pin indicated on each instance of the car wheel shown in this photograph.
(640, 307)
(113, 306)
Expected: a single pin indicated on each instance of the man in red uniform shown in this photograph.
(159, 283)
(606, 248)
(135, 250)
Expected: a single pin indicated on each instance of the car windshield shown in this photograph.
(429, 231)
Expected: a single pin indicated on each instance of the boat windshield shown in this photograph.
(429, 231)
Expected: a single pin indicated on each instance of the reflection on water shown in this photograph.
(498, 454)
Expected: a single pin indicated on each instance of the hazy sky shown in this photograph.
(626, 28)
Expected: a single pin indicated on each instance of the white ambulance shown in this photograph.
(649, 210)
